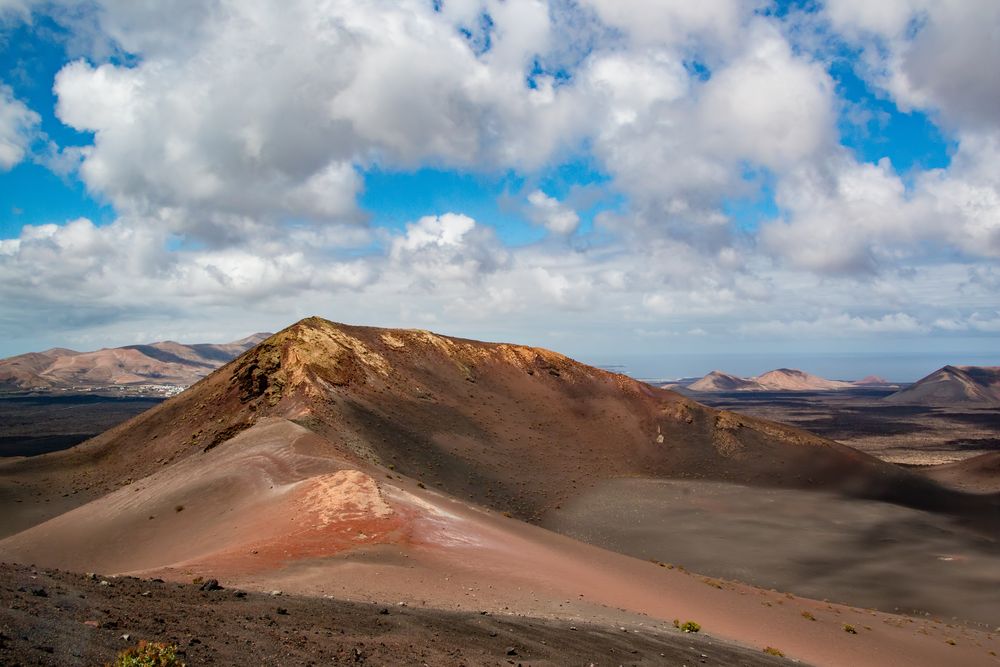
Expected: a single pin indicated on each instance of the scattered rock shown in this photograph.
(211, 585)
(383, 611)
(282, 611)
(511, 650)
(39, 592)
(275, 593)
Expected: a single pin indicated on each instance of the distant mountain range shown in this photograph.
(954, 385)
(948, 386)
(781, 379)
(164, 364)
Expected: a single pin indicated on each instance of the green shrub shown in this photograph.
(850, 629)
(690, 626)
(148, 654)
(770, 650)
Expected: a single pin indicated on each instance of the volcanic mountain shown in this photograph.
(790, 379)
(781, 379)
(719, 381)
(953, 386)
(514, 428)
(164, 363)
(393, 464)
(873, 381)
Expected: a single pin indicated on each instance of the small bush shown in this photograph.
(770, 650)
(809, 617)
(148, 654)
(849, 629)
(690, 626)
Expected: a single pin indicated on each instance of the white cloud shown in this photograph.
(227, 118)
(930, 54)
(712, 25)
(836, 326)
(446, 247)
(979, 322)
(679, 147)
(552, 214)
(235, 155)
(18, 123)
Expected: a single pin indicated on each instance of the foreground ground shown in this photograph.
(59, 618)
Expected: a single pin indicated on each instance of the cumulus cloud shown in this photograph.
(680, 146)
(127, 267)
(836, 326)
(552, 214)
(225, 117)
(234, 157)
(17, 125)
(445, 248)
(929, 53)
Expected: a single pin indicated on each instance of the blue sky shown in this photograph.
(660, 182)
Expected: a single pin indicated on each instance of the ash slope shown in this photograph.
(979, 474)
(512, 428)
(163, 363)
(954, 386)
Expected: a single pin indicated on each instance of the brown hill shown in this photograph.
(165, 363)
(979, 474)
(873, 381)
(953, 386)
(719, 381)
(790, 379)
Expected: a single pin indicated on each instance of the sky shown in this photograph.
(663, 186)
